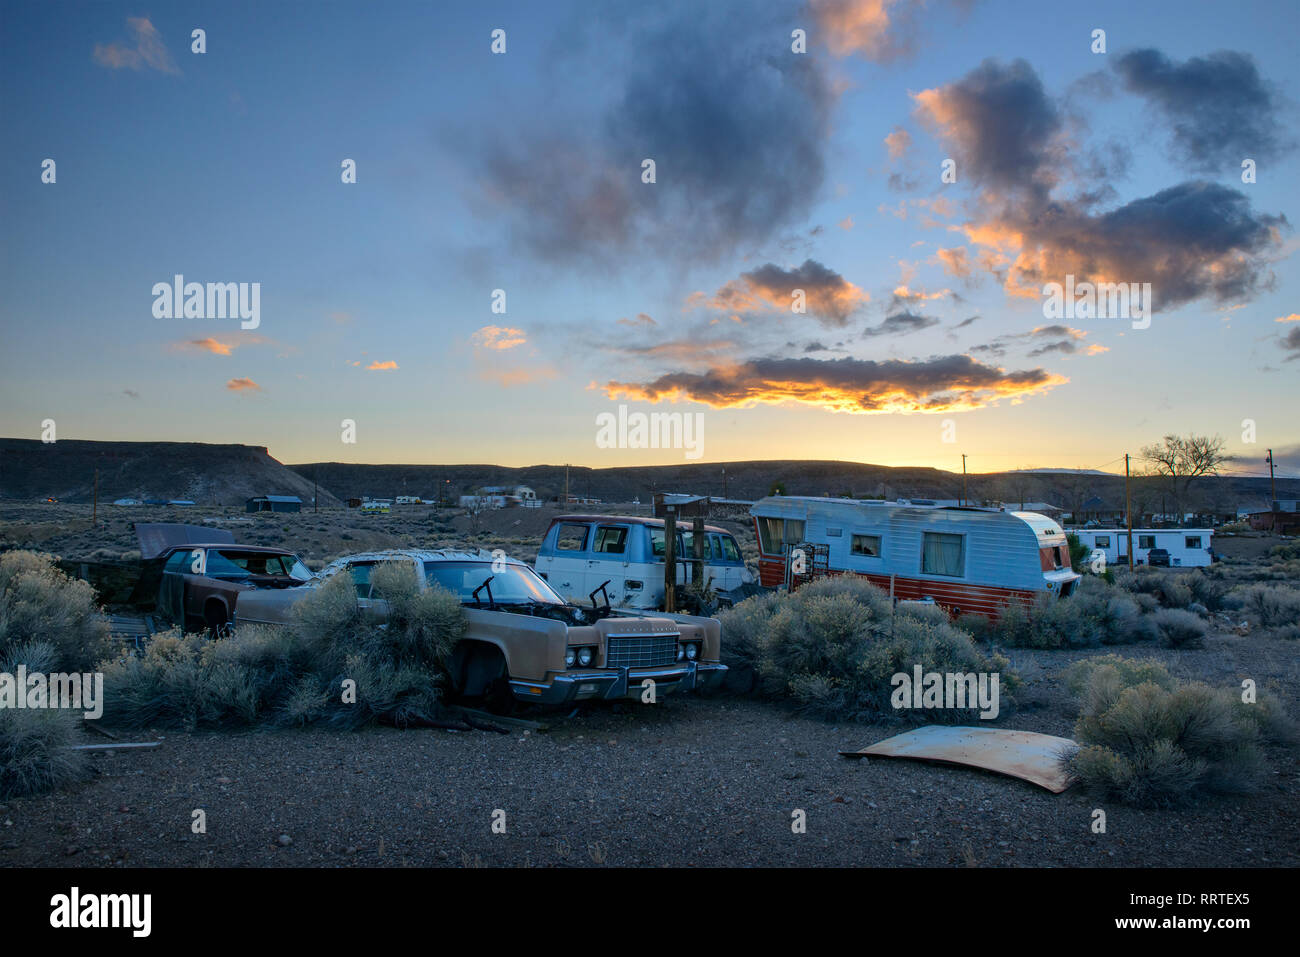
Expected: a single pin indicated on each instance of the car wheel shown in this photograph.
(216, 624)
(498, 697)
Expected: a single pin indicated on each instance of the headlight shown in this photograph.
(570, 657)
(586, 656)
(692, 651)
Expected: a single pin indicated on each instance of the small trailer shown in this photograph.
(1187, 547)
(968, 560)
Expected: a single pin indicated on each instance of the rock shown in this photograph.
(284, 840)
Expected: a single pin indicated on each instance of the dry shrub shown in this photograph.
(38, 602)
(34, 755)
(1149, 740)
(833, 647)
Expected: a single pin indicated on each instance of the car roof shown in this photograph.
(231, 547)
(683, 524)
(426, 555)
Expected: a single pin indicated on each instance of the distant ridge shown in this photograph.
(228, 474)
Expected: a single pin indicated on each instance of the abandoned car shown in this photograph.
(579, 552)
(525, 642)
(190, 575)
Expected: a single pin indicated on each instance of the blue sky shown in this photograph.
(521, 172)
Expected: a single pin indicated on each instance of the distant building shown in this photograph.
(274, 503)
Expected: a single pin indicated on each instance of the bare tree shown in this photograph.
(1179, 461)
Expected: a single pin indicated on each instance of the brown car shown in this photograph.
(525, 642)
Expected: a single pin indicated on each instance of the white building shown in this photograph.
(1187, 547)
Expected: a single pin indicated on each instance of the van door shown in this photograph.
(567, 570)
(609, 561)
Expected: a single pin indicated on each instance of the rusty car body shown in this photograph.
(525, 642)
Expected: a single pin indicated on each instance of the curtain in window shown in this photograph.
(941, 554)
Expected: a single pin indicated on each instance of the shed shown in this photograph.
(274, 503)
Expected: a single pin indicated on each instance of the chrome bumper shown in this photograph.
(613, 684)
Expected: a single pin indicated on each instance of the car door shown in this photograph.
(567, 572)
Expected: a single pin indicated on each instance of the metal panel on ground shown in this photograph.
(1027, 755)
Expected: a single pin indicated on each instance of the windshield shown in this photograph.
(229, 563)
(513, 583)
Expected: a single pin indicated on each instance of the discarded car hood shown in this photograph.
(1027, 755)
(156, 537)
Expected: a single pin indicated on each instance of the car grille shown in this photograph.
(641, 651)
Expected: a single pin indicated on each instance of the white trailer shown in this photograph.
(1187, 547)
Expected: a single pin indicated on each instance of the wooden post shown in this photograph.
(1128, 513)
(697, 543)
(94, 508)
(670, 559)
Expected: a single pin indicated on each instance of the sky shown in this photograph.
(819, 229)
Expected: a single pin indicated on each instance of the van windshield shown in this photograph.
(513, 583)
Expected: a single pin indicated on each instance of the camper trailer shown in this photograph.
(1187, 547)
(582, 552)
(969, 560)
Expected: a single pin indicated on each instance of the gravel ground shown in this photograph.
(689, 782)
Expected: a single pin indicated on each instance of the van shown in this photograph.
(582, 552)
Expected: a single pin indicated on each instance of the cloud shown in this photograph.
(828, 296)
(1191, 241)
(218, 347)
(738, 133)
(898, 141)
(679, 350)
(903, 295)
(499, 338)
(1218, 107)
(900, 324)
(882, 31)
(955, 261)
(641, 320)
(937, 384)
(377, 366)
(131, 393)
(1291, 343)
(846, 223)
(966, 322)
(148, 51)
(1294, 317)
(243, 385)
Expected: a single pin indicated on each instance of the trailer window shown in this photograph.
(1146, 541)
(776, 533)
(611, 539)
(1101, 541)
(868, 545)
(572, 538)
(1192, 541)
(942, 554)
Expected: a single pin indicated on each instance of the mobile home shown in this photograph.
(974, 560)
(581, 552)
(1187, 547)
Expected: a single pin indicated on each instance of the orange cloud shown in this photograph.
(1294, 317)
(498, 337)
(858, 386)
(862, 27)
(955, 261)
(378, 366)
(149, 50)
(243, 385)
(828, 296)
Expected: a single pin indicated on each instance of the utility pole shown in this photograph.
(963, 479)
(724, 482)
(94, 508)
(1272, 487)
(315, 493)
(1128, 513)
(566, 485)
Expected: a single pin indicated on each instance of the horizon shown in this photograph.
(855, 251)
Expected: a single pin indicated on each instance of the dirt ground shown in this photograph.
(688, 782)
